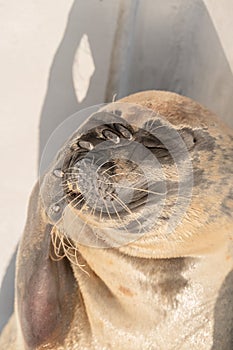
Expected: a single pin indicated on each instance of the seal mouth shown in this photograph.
(107, 187)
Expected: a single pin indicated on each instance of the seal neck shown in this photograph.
(133, 296)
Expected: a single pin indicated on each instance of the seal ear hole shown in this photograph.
(188, 137)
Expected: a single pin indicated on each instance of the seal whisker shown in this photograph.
(106, 170)
(133, 188)
(131, 173)
(95, 205)
(65, 196)
(70, 173)
(99, 159)
(142, 190)
(69, 184)
(117, 199)
(70, 168)
(150, 125)
(100, 166)
(120, 202)
(77, 197)
(76, 204)
(157, 127)
(106, 207)
(57, 247)
(70, 180)
(85, 223)
(119, 217)
(66, 248)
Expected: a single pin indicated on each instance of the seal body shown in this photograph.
(128, 242)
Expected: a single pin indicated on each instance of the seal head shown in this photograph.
(136, 173)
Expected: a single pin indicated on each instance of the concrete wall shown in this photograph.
(58, 57)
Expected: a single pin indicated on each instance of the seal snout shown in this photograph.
(107, 171)
(106, 185)
(118, 172)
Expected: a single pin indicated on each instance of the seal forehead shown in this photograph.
(178, 110)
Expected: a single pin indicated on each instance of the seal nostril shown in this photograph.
(86, 145)
(124, 131)
(111, 136)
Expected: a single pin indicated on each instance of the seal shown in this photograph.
(128, 241)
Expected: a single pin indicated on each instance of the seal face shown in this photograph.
(128, 242)
(116, 173)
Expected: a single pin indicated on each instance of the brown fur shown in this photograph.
(159, 292)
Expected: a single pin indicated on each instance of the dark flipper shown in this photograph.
(46, 290)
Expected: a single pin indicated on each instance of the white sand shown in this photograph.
(169, 44)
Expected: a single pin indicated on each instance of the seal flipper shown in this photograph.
(46, 290)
